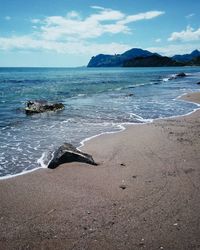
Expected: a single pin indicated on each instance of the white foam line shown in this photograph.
(103, 133)
(22, 173)
(122, 127)
(189, 113)
(176, 116)
(180, 96)
(145, 121)
(40, 161)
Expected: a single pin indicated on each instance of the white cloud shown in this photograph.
(74, 34)
(158, 40)
(104, 21)
(7, 18)
(189, 34)
(106, 15)
(141, 16)
(35, 20)
(59, 27)
(84, 48)
(72, 14)
(174, 49)
(97, 7)
(190, 15)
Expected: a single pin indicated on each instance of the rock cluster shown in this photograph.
(40, 106)
(179, 75)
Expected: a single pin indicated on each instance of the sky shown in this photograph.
(66, 33)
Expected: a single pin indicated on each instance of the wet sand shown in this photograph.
(145, 194)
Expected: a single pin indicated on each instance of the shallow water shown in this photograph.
(96, 100)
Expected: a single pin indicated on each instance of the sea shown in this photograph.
(97, 100)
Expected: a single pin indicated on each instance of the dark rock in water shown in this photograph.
(182, 74)
(40, 106)
(198, 83)
(179, 75)
(68, 153)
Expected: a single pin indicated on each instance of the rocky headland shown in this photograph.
(143, 58)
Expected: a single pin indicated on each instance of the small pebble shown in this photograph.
(141, 243)
(122, 186)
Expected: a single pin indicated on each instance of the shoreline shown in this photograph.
(143, 195)
(192, 97)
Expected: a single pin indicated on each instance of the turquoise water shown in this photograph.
(96, 100)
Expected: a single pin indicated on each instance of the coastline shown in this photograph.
(83, 122)
(144, 193)
(189, 97)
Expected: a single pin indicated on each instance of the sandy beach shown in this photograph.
(144, 194)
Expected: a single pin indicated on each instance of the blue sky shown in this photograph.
(67, 33)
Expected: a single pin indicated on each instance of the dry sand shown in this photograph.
(145, 194)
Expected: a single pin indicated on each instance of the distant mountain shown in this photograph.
(102, 60)
(133, 53)
(152, 61)
(118, 60)
(143, 58)
(195, 61)
(186, 57)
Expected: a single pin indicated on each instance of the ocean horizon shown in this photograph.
(97, 100)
